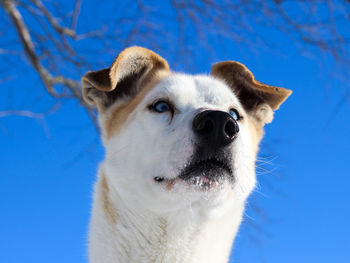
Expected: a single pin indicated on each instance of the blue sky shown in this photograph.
(299, 213)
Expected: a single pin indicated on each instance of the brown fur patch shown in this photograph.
(163, 226)
(170, 185)
(117, 116)
(256, 132)
(109, 210)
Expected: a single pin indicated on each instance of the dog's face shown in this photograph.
(177, 141)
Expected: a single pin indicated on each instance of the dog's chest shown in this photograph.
(137, 236)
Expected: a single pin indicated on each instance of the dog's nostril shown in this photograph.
(231, 128)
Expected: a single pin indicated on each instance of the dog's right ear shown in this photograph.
(258, 99)
(128, 74)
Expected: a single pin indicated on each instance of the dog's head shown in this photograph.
(175, 140)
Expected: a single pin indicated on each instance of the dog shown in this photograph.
(179, 160)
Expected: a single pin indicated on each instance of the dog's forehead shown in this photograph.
(195, 91)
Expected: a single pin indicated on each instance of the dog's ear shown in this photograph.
(129, 72)
(257, 98)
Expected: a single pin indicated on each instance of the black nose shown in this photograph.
(216, 128)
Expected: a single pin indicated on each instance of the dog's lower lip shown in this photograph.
(206, 174)
(205, 168)
(203, 182)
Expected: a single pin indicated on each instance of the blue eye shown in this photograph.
(235, 115)
(161, 106)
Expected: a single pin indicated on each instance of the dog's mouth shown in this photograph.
(204, 174)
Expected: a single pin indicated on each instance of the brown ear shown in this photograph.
(132, 68)
(251, 93)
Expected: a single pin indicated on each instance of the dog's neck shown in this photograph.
(120, 234)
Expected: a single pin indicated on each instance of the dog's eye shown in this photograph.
(234, 113)
(161, 106)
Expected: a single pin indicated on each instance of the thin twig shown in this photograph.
(75, 15)
(52, 20)
(23, 113)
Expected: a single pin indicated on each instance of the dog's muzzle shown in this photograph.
(212, 160)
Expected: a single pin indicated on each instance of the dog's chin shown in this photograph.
(204, 175)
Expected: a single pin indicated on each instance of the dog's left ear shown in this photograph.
(130, 71)
(258, 99)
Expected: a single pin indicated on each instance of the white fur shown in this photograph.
(154, 224)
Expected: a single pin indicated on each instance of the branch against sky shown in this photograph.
(49, 80)
(60, 44)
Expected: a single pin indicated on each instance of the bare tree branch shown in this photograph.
(23, 113)
(28, 45)
(54, 48)
(76, 13)
(52, 20)
(321, 33)
(48, 80)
